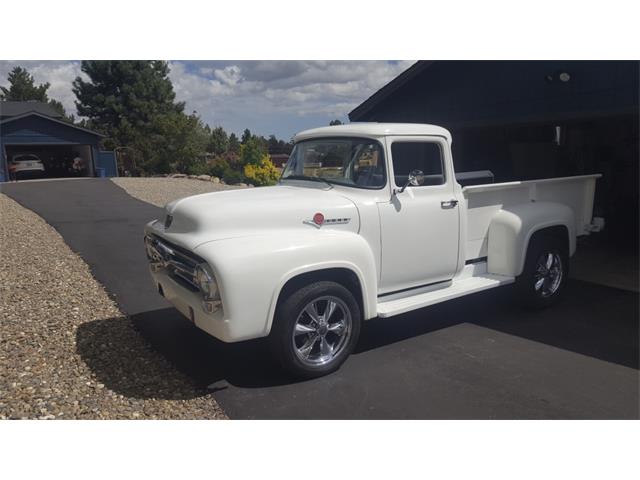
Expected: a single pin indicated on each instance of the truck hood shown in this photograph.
(256, 211)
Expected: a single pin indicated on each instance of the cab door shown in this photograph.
(420, 225)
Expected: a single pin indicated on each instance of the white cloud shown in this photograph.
(280, 97)
(276, 96)
(60, 74)
(228, 75)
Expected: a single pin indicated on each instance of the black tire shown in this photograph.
(291, 308)
(540, 247)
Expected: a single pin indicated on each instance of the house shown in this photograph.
(36, 128)
(279, 159)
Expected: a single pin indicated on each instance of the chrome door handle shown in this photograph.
(449, 203)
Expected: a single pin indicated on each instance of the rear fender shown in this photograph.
(511, 230)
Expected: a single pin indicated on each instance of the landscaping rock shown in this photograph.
(178, 175)
(160, 191)
(205, 178)
(215, 179)
(66, 350)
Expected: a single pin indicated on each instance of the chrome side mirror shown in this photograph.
(415, 179)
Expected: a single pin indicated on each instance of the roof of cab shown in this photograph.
(374, 129)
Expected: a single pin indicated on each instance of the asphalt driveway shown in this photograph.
(479, 357)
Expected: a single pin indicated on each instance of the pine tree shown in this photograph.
(123, 97)
(234, 144)
(130, 101)
(246, 136)
(23, 88)
(218, 141)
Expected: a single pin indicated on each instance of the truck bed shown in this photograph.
(483, 201)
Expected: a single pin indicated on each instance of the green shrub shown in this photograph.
(199, 168)
(262, 173)
(232, 177)
(219, 168)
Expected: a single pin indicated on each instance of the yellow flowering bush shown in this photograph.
(262, 173)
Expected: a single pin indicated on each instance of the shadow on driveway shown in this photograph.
(127, 365)
(593, 321)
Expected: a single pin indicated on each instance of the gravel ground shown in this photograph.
(160, 191)
(66, 351)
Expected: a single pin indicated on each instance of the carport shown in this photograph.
(32, 128)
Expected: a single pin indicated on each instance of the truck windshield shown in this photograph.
(354, 162)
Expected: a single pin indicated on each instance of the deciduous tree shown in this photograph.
(252, 151)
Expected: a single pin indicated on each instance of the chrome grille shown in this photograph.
(177, 261)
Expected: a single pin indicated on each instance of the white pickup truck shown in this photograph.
(368, 220)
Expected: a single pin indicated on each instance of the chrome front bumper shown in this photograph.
(173, 270)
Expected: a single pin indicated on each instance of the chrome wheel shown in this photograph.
(548, 274)
(322, 330)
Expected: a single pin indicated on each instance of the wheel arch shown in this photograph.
(347, 275)
(512, 229)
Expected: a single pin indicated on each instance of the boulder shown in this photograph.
(178, 175)
(241, 184)
(215, 179)
(204, 178)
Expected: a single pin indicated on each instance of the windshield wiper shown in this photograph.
(306, 177)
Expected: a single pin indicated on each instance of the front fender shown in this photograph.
(512, 227)
(251, 272)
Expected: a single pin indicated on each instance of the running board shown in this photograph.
(459, 288)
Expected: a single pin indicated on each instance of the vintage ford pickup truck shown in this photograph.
(368, 220)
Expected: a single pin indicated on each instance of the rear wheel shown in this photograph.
(316, 328)
(545, 272)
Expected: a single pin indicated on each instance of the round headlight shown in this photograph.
(206, 282)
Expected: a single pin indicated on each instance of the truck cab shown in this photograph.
(367, 220)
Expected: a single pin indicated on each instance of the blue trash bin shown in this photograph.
(101, 172)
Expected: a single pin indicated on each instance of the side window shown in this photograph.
(424, 156)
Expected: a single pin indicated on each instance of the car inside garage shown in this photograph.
(51, 161)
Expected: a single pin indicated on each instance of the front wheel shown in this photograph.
(315, 329)
(545, 272)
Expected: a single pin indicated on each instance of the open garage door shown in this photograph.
(50, 161)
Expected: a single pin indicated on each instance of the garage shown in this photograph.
(537, 119)
(37, 143)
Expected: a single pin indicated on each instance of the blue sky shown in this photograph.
(268, 97)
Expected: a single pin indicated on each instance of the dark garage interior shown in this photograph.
(58, 160)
